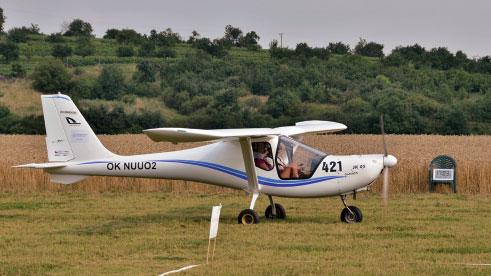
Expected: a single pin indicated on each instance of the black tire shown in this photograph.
(348, 217)
(280, 212)
(248, 216)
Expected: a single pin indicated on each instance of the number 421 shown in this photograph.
(332, 166)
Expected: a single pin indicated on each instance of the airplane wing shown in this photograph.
(178, 135)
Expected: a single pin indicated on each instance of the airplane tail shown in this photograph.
(68, 136)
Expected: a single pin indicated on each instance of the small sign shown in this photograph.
(215, 219)
(443, 174)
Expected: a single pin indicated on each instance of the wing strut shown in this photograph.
(246, 146)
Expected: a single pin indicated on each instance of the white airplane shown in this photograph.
(265, 161)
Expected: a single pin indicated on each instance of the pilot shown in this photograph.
(262, 159)
(287, 169)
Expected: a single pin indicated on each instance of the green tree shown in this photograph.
(9, 51)
(125, 51)
(110, 83)
(232, 35)
(304, 50)
(370, 49)
(111, 34)
(17, 71)
(55, 38)
(2, 20)
(250, 41)
(18, 35)
(339, 48)
(147, 49)
(441, 58)
(283, 102)
(51, 76)
(78, 27)
(165, 52)
(61, 51)
(84, 46)
(214, 48)
(146, 71)
(127, 36)
(194, 36)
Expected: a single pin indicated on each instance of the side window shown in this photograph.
(295, 160)
(263, 155)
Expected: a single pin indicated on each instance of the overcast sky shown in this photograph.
(458, 25)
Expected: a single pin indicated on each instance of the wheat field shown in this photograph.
(414, 152)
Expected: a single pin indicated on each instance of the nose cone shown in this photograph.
(390, 161)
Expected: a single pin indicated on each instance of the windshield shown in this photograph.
(295, 160)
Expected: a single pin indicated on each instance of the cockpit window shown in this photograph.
(295, 160)
(263, 155)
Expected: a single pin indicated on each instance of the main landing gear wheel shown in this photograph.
(248, 216)
(280, 212)
(351, 214)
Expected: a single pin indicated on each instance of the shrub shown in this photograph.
(78, 27)
(165, 52)
(9, 51)
(55, 38)
(61, 51)
(110, 83)
(17, 71)
(84, 47)
(125, 51)
(51, 77)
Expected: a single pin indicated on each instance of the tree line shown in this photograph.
(419, 90)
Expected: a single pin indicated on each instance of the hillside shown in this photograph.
(125, 86)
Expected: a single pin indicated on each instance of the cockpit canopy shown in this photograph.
(294, 160)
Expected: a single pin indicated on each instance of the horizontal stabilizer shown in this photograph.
(177, 135)
(42, 165)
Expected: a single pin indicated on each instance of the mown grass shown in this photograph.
(149, 233)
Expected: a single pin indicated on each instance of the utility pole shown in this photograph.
(281, 40)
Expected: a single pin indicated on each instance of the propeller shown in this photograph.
(388, 161)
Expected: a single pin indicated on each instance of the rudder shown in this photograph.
(68, 135)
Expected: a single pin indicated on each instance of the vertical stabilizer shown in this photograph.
(68, 135)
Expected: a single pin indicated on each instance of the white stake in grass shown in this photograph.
(215, 220)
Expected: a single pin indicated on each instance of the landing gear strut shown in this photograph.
(249, 216)
(274, 210)
(350, 214)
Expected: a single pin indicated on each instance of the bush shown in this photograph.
(215, 48)
(110, 83)
(339, 48)
(165, 53)
(9, 51)
(78, 27)
(370, 49)
(147, 49)
(17, 71)
(111, 34)
(145, 72)
(125, 51)
(61, 51)
(84, 88)
(84, 47)
(55, 38)
(51, 77)
(20, 35)
(129, 36)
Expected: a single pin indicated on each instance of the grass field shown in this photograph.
(76, 233)
(145, 227)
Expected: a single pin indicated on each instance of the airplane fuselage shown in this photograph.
(221, 163)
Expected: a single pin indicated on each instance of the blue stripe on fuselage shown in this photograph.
(239, 174)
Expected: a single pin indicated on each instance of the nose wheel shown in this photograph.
(275, 210)
(350, 214)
